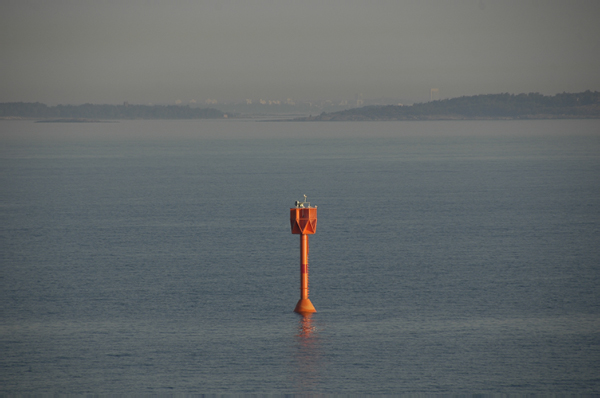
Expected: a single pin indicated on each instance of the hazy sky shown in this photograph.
(77, 51)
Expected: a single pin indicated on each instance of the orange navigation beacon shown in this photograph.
(303, 220)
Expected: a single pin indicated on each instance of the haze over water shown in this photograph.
(204, 52)
(450, 257)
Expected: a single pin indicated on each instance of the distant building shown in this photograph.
(359, 100)
(434, 94)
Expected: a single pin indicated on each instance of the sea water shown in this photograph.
(156, 257)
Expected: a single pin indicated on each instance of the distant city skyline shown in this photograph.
(191, 52)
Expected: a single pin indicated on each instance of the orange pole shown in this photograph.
(304, 305)
(303, 266)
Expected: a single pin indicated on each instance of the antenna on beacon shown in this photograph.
(303, 220)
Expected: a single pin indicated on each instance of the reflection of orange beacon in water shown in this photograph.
(303, 219)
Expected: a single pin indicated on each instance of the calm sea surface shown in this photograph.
(156, 257)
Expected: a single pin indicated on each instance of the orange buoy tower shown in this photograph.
(303, 220)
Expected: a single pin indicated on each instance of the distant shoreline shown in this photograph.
(326, 118)
(87, 113)
(75, 120)
(334, 118)
(531, 106)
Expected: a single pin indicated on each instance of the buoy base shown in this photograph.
(304, 306)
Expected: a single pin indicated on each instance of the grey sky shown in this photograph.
(64, 51)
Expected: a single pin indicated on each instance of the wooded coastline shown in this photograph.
(584, 105)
